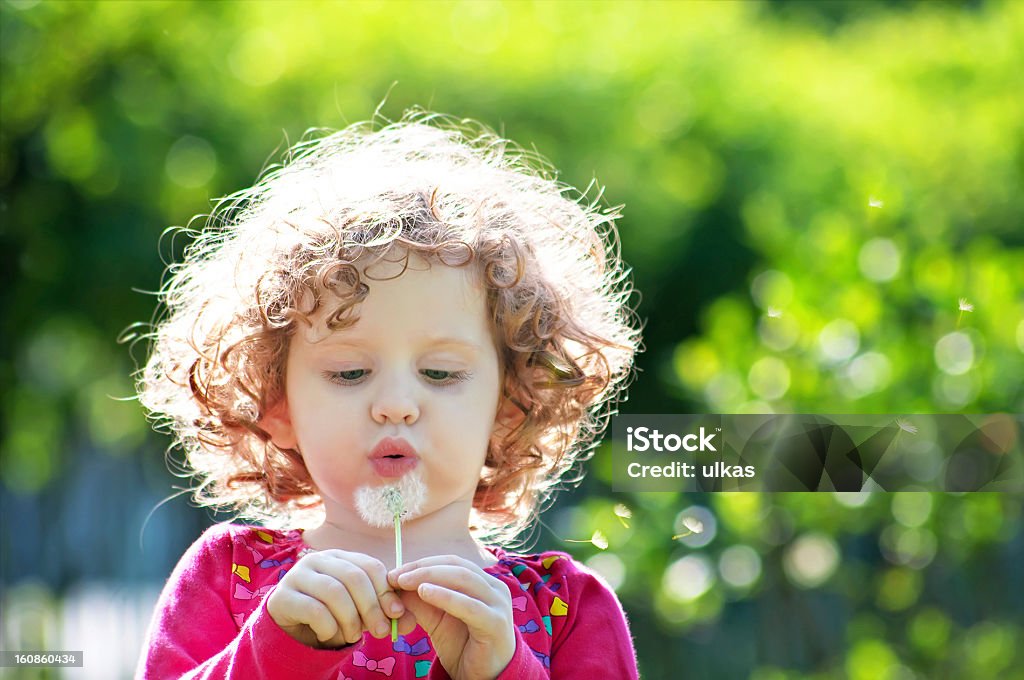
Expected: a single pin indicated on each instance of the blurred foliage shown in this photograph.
(823, 210)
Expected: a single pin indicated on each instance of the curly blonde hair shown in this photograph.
(452, 192)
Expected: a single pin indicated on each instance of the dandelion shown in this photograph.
(964, 306)
(693, 526)
(380, 506)
(372, 501)
(906, 426)
(598, 539)
(774, 313)
(623, 513)
(875, 202)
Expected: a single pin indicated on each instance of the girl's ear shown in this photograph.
(278, 424)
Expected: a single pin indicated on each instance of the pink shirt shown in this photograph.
(212, 621)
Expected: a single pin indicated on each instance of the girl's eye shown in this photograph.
(352, 376)
(445, 377)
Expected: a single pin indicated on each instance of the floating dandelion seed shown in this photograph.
(623, 513)
(875, 202)
(963, 306)
(906, 426)
(598, 539)
(693, 526)
(774, 313)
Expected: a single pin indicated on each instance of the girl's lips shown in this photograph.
(393, 446)
(393, 457)
(393, 467)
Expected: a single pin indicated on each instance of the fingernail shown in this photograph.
(395, 608)
(381, 630)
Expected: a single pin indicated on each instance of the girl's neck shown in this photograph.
(422, 537)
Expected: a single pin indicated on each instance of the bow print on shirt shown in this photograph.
(402, 645)
(384, 666)
(243, 593)
(529, 627)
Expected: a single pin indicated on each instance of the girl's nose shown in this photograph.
(395, 404)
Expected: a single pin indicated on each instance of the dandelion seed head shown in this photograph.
(622, 511)
(965, 306)
(774, 313)
(378, 505)
(393, 498)
(599, 540)
(875, 202)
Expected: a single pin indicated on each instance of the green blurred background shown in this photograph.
(823, 210)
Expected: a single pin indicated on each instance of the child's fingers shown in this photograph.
(437, 560)
(391, 604)
(406, 623)
(419, 613)
(353, 591)
(292, 609)
(336, 598)
(482, 620)
(378, 575)
(485, 588)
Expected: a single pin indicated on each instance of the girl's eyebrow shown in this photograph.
(430, 341)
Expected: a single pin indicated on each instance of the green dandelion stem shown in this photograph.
(398, 563)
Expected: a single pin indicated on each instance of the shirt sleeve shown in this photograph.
(595, 643)
(192, 634)
(524, 664)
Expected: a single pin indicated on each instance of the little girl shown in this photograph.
(417, 307)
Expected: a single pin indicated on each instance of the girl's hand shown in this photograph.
(466, 612)
(330, 597)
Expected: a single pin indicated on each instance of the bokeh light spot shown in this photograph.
(954, 353)
(811, 559)
(688, 578)
(911, 509)
(868, 373)
(769, 378)
(879, 259)
(838, 340)
(191, 162)
(740, 566)
(258, 58)
(772, 288)
(610, 566)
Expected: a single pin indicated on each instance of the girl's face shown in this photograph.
(418, 371)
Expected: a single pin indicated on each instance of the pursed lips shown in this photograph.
(393, 457)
